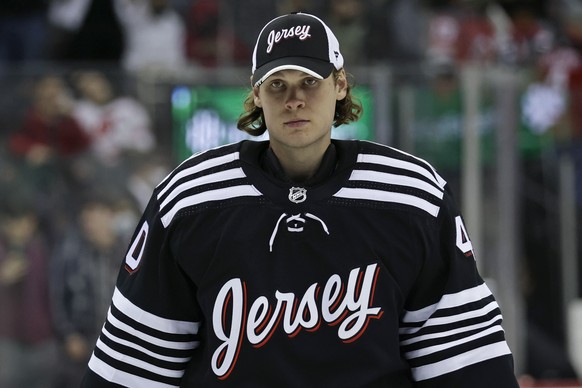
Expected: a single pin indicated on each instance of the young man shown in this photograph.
(301, 261)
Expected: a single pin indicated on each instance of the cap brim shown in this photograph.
(317, 68)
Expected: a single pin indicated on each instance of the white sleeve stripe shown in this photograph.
(385, 196)
(452, 318)
(122, 378)
(148, 338)
(199, 167)
(394, 179)
(211, 195)
(460, 361)
(437, 348)
(221, 176)
(391, 162)
(447, 333)
(447, 301)
(141, 349)
(158, 323)
(175, 374)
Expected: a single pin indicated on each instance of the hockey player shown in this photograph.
(301, 261)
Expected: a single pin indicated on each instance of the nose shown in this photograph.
(295, 99)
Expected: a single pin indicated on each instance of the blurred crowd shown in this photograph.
(72, 184)
(138, 34)
(80, 153)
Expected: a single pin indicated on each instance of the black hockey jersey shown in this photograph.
(366, 278)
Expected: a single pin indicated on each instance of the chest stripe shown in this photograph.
(388, 196)
(208, 196)
(204, 165)
(404, 165)
(221, 176)
(398, 180)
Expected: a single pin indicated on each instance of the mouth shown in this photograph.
(296, 123)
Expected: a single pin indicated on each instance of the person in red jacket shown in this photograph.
(48, 129)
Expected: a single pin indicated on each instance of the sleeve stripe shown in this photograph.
(138, 363)
(437, 348)
(386, 196)
(460, 361)
(123, 378)
(234, 173)
(452, 332)
(141, 349)
(158, 323)
(447, 301)
(148, 338)
(452, 318)
(145, 364)
(394, 179)
(211, 195)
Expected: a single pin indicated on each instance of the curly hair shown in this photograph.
(252, 120)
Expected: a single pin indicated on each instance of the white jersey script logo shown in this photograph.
(348, 306)
(301, 32)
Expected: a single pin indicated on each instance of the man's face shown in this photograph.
(299, 109)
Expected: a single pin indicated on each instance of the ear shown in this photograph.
(256, 97)
(341, 84)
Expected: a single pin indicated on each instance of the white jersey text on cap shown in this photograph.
(301, 32)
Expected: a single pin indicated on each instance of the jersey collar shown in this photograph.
(271, 165)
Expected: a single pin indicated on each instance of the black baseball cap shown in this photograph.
(297, 41)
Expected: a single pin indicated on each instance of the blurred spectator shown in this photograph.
(476, 43)
(155, 35)
(49, 131)
(562, 69)
(211, 41)
(443, 34)
(13, 105)
(22, 30)
(347, 18)
(545, 109)
(461, 33)
(571, 18)
(395, 31)
(45, 150)
(251, 15)
(27, 343)
(85, 30)
(531, 36)
(439, 118)
(485, 32)
(117, 124)
(84, 268)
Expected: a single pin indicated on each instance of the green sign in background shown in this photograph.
(205, 117)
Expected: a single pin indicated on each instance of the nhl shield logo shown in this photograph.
(297, 194)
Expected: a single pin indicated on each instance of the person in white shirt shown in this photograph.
(155, 35)
(116, 124)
